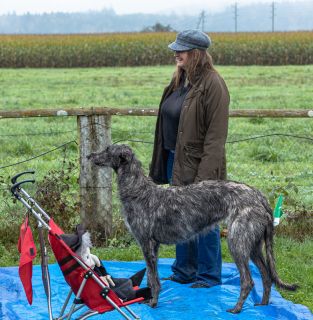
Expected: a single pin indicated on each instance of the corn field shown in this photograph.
(138, 49)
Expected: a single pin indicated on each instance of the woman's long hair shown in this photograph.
(198, 60)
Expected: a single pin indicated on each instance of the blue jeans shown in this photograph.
(198, 259)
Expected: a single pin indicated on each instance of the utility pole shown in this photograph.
(273, 16)
(201, 20)
(236, 16)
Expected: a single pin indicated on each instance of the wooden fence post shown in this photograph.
(95, 182)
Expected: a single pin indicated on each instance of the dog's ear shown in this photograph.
(126, 156)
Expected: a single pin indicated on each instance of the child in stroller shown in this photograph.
(125, 288)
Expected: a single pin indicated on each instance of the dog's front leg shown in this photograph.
(150, 250)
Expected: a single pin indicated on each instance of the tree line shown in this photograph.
(257, 17)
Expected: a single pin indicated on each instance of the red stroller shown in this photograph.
(85, 284)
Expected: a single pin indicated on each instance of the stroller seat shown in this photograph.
(87, 286)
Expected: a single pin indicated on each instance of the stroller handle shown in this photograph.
(17, 185)
(13, 179)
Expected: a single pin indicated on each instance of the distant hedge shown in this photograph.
(137, 49)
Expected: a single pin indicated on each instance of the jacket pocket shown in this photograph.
(192, 158)
(193, 149)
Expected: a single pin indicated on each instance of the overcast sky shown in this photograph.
(123, 6)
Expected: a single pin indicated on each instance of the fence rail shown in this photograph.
(96, 208)
(106, 111)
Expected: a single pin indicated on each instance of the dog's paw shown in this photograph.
(153, 303)
(260, 304)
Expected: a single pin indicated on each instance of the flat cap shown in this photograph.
(190, 39)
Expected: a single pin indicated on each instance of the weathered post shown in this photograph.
(95, 182)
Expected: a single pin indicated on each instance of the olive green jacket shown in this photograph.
(202, 133)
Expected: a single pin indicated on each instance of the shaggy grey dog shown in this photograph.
(155, 215)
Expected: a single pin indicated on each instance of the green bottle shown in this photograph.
(278, 212)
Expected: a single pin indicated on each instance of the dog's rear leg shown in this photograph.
(258, 259)
(150, 251)
(246, 283)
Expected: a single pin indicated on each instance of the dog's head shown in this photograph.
(114, 156)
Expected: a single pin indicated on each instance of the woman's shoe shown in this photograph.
(202, 284)
(173, 278)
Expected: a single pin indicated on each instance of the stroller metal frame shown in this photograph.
(45, 222)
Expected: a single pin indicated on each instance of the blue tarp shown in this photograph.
(177, 302)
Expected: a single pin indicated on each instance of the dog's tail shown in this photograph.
(269, 233)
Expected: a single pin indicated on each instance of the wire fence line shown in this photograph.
(95, 125)
(310, 139)
(48, 133)
(39, 155)
(126, 139)
(36, 134)
(147, 132)
(45, 133)
(135, 112)
(104, 187)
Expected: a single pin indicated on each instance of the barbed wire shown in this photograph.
(39, 155)
(150, 142)
(270, 135)
(49, 132)
(132, 140)
(36, 134)
(147, 142)
(147, 132)
(233, 141)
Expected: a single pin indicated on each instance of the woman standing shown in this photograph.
(189, 146)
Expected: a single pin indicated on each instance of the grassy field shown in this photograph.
(267, 163)
(273, 164)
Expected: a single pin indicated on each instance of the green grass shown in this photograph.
(264, 163)
(273, 164)
(250, 87)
